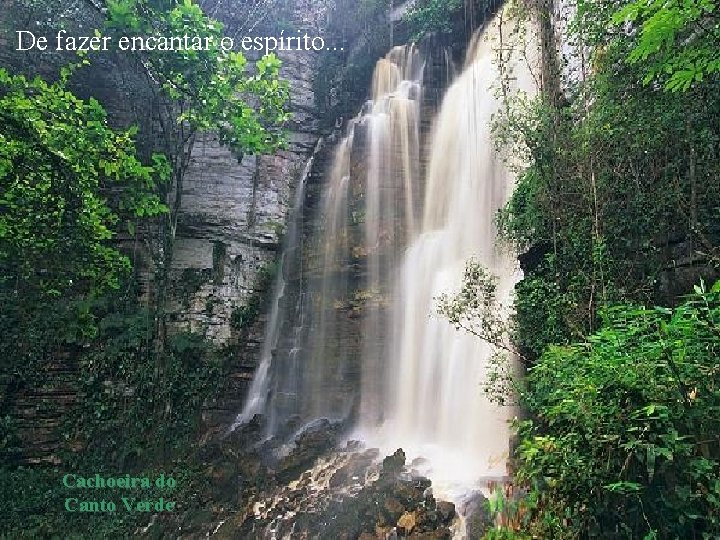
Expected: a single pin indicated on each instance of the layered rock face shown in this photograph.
(233, 213)
(232, 220)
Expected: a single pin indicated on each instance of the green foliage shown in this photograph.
(211, 88)
(540, 313)
(68, 185)
(56, 154)
(505, 511)
(476, 310)
(624, 437)
(129, 420)
(447, 18)
(67, 182)
(130, 415)
(615, 176)
(244, 316)
(433, 16)
(619, 197)
(34, 496)
(504, 533)
(678, 42)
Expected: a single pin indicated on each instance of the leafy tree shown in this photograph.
(618, 172)
(621, 188)
(69, 184)
(445, 17)
(66, 181)
(57, 152)
(677, 42)
(475, 309)
(429, 16)
(210, 89)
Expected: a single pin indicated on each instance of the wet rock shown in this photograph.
(394, 464)
(393, 509)
(371, 454)
(428, 520)
(446, 511)
(246, 435)
(384, 531)
(410, 492)
(440, 534)
(224, 480)
(316, 440)
(477, 517)
(407, 522)
(354, 446)
(418, 466)
(344, 494)
(341, 477)
(418, 462)
(428, 500)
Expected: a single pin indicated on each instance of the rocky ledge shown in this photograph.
(310, 484)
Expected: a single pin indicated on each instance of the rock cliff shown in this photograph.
(233, 214)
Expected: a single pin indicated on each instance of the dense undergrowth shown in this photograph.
(617, 211)
(625, 430)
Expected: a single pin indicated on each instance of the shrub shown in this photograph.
(625, 436)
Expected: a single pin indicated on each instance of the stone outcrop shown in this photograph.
(345, 493)
(233, 213)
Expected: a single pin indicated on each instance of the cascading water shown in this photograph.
(436, 407)
(366, 341)
(257, 400)
(369, 213)
(391, 193)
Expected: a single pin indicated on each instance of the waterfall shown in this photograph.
(257, 400)
(436, 408)
(391, 193)
(369, 212)
(359, 337)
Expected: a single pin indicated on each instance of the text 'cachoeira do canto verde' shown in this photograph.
(137, 494)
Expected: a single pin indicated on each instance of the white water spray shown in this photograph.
(436, 405)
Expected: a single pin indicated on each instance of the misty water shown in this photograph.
(414, 214)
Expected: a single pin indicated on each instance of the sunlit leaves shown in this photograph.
(677, 41)
(57, 153)
(210, 87)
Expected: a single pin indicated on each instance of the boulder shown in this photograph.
(393, 509)
(477, 517)
(394, 464)
(446, 511)
(407, 522)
